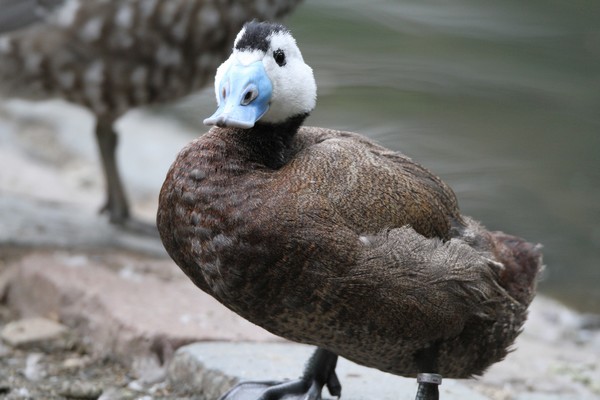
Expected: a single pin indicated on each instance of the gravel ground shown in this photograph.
(64, 366)
(64, 369)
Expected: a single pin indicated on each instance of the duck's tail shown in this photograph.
(522, 264)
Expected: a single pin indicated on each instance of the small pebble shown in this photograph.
(80, 390)
(119, 394)
(33, 369)
(148, 370)
(135, 385)
(4, 350)
(75, 363)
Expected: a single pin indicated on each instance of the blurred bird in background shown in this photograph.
(112, 55)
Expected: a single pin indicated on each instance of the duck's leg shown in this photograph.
(116, 204)
(428, 386)
(319, 372)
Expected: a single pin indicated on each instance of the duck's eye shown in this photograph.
(279, 57)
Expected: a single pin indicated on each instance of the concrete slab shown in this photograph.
(212, 368)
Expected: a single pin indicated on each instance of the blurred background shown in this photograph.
(500, 99)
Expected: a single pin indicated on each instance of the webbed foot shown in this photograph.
(319, 372)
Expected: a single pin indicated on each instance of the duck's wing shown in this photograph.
(374, 188)
(436, 285)
(384, 227)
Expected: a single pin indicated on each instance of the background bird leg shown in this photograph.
(116, 202)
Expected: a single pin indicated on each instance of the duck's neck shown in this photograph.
(269, 144)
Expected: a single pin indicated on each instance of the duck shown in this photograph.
(326, 238)
(114, 55)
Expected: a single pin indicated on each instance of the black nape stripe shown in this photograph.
(256, 34)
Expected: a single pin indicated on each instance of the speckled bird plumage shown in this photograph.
(112, 55)
(326, 238)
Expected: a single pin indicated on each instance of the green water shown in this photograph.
(499, 98)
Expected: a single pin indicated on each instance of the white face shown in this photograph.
(294, 87)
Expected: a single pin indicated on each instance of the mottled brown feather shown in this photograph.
(329, 239)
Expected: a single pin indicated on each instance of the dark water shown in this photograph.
(499, 98)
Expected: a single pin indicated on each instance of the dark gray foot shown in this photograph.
(117, 211)
(127, 223)
(428, 386)
(319, 372)
(139, 227)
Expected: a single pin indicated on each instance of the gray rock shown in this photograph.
(120, 394)
(210, 369)
(80, 390)
(4, 350)
(32, 332)
(34, 371)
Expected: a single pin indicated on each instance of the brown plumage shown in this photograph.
(326, 238)
(343, 247)
(110, 56)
